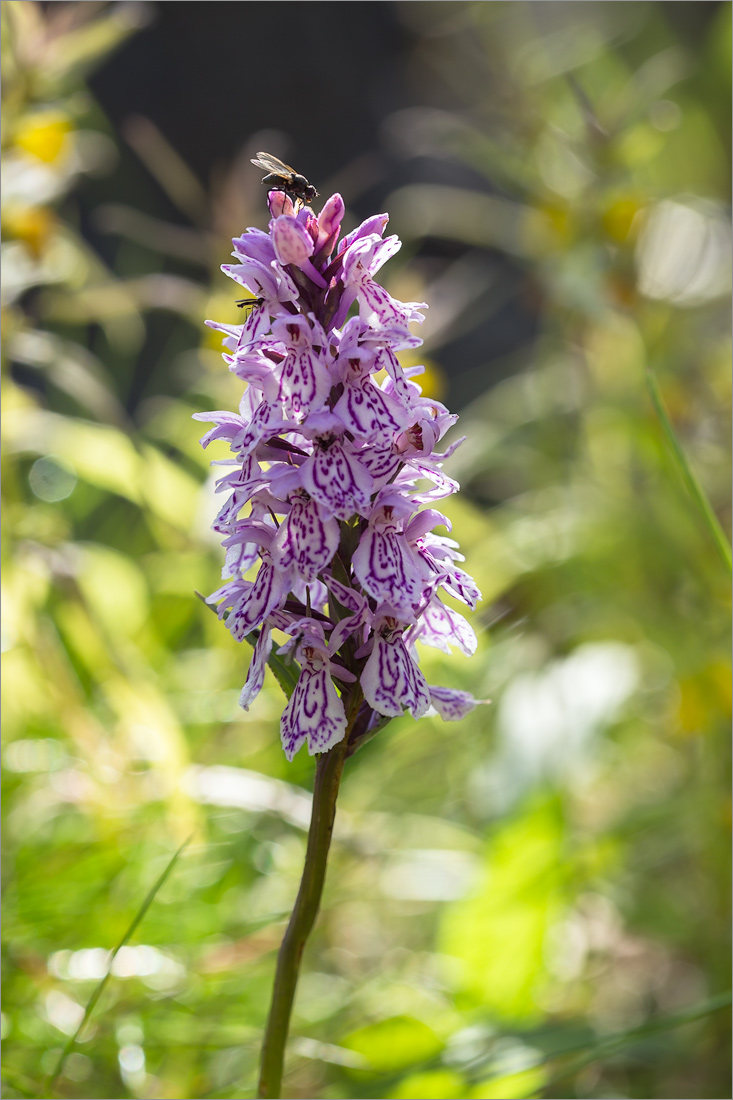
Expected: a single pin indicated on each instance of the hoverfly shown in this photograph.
(250, 305)
(281, 177)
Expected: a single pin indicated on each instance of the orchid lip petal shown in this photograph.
(338, 481)
(387, 569)
(314, 713)
(307, 540)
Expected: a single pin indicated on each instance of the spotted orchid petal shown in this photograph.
(367, 411)
(252, 601)
(307, 540)
(314, 712)
(314, 593)
(227, 425)
(382, 463)
(353, 601)
(367, 254)
(337, 479)
(453, 704)
(304, 383)
(347, 597)
(391, 679)
(258, 664)
(239, 559)
(461, 585)
(373, 227)
(267, 420)
(385, 565)
(377, 303)
(442, 627)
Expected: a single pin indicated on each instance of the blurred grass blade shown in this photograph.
(286, 673)
(694, 487)
(70, 1044)
(168, 167)
(18, 1081)
(611, 1045)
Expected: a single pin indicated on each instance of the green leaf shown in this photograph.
(510, 1086)
(437, 1084)
(395, 1043)
(518, 898)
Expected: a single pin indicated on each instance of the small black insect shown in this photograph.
(281, 177)
(251, 302)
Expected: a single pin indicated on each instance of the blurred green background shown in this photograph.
(533, 902)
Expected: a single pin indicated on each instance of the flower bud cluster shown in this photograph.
(333, 482)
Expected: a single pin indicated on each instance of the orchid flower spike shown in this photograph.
(326, 494)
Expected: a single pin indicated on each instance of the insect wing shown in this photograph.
(272, 164)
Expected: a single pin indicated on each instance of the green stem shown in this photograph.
(329, 768)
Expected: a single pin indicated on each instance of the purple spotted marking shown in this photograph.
(442, 627)
(367, 411)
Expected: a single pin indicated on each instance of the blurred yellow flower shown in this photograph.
(44, 134)
(432, 380)
(619, 216)
(33, 225)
